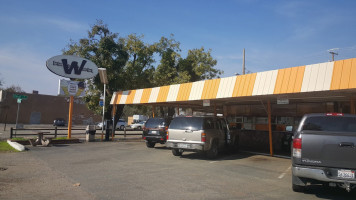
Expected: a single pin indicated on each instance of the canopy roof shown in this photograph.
(322, 80)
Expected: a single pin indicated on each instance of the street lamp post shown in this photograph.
(104, 80)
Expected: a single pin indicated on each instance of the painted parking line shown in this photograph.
(285, 172)
(213, 161)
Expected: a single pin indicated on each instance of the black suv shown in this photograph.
(155, 131)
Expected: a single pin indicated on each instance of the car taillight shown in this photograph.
(297, 147)
(334, 114)
(203, 137)
(167, 135)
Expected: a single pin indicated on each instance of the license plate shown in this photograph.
(346, 174)
(180, 145)
(153, 132)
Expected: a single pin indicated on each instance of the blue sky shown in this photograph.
(275, 34)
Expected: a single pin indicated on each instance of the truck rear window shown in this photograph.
(330, 123)
(187, 123)
(154, 122)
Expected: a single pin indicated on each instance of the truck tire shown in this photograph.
(176, 152)
(150, 144)
(298, 188)
(213, 152)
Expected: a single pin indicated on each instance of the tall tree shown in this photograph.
(14, 88)
(139, 67)
(105, 49)
(130, 63)
(198, 65)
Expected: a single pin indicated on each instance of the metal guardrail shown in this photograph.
(13, 132)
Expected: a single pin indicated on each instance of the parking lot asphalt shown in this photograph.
(130, 170)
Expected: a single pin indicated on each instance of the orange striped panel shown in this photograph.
(336, 80)
(251, 84)
(242, 86)
(237, 86)
(246, 83)
(279, 81)
(352, 83)
(286, 77)
(345, 75)
(299, 79)
(211, 88)
(292, 78)
(163, 93)
(146, 95)
(118, 97)
(130, 97)
(184, 91)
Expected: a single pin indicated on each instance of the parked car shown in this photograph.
(206, 134)
(121, 124)
(155, 131)
(138, 125)
(324, 151)
(59, 122)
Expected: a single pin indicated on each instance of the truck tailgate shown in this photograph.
(184, 135)
(333, 149)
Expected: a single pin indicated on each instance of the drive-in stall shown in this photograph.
(262, 104)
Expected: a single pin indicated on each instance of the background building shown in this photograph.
(43, 109)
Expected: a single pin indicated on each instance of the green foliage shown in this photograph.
(19, 139)
(129, 62)
(198, 65)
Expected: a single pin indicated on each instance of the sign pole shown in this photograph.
(102, 128)
(70, 117)
(18, 110)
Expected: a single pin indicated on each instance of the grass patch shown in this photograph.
(5, 147)
(19, 139)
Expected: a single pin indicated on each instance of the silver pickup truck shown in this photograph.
(206, 134)
(324, 151)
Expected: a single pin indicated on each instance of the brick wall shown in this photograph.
(43, 109)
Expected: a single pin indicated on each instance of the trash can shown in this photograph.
(90, 133)
(108, 130)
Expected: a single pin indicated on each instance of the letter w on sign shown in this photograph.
(74, 65)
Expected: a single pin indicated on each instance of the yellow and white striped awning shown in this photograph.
(337, 75)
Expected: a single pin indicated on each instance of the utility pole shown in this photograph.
(243, 62)
(333, 53)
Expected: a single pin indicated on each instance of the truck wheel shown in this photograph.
(122, 127)
(298, 188)
(176, 152)
(139, 128)
(213, 152)
(150, 144)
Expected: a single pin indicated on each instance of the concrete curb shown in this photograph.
(16, 145)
